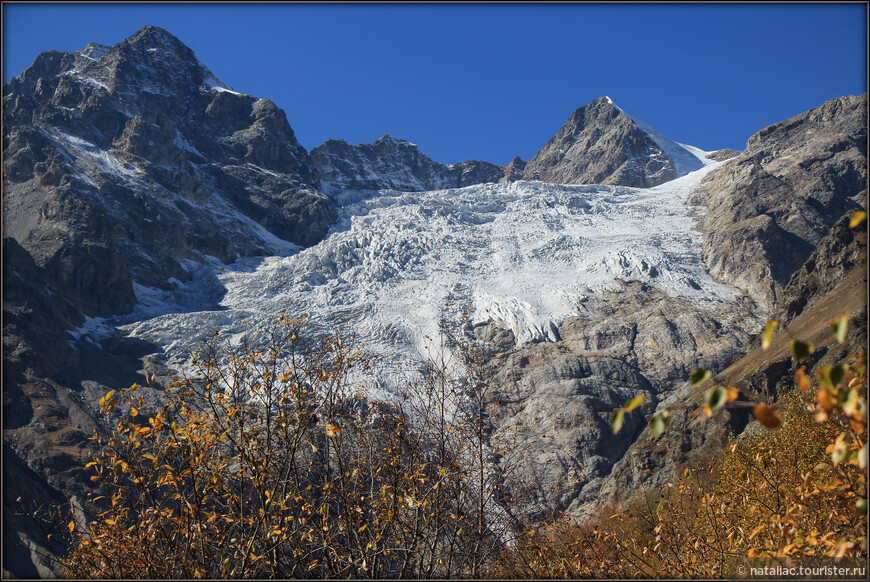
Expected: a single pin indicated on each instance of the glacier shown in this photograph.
(523, 255)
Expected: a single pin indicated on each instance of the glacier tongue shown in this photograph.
(522, 255)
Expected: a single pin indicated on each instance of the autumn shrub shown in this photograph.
(269, 460)
(792, 488)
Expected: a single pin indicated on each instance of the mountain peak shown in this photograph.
(154, 36)
(387, 139)
(601, 144)
(605, 100)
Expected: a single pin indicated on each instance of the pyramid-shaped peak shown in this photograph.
(153, 35)
(155, 39)
(605, 100)
(387, 139)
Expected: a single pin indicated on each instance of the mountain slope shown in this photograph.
(600, 144)
(769, 207)
(138, 147)
(833, 281)
(394, 164)
(125, 168)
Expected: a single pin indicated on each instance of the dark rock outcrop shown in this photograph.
(769, 207)
(391, 163)
(514, 170)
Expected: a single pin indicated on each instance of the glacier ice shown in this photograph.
(522, 255)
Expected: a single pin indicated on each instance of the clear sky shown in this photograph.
(491, 81)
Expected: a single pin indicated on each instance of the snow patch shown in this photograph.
(214, 84)
(181, 143)
(686, 160)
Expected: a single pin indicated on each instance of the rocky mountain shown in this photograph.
(122, 167)
(395, 164)
(600, 144)
(514, 170)
(833, 281)
(552, 401)
(768, 207)
(145, 203)
(581, 467)
(139, 148)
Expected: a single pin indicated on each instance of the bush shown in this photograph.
(270, 461)
(797, 490)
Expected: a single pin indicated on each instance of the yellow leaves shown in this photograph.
(633, 403)
(801, 379)
(757, 530)
(332, 430)
(767, 416)
(107, 402)
(71, 526)
(767, 335)
(858, 217)
(839, 328)
(618, 416)
(616, 419)
(839, 450)
(825, 404)
(659, 422)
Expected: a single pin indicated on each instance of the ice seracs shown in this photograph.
(521, 255)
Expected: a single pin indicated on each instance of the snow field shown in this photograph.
(522, 255)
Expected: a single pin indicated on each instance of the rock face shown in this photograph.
(551, 402)
(722, 155)
(121, 162)
(769, 207)
(832, 281)
(514, 170)
(120, 166)
(391, 163)
(600, 144)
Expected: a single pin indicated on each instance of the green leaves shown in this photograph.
(801, 350)
(830, 376)
(699, 376)
(768, 333)
(616, 418)
(840, 327)
(618, 415)
(716, 397)
(658, 422)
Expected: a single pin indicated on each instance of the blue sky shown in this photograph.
(484, 81)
